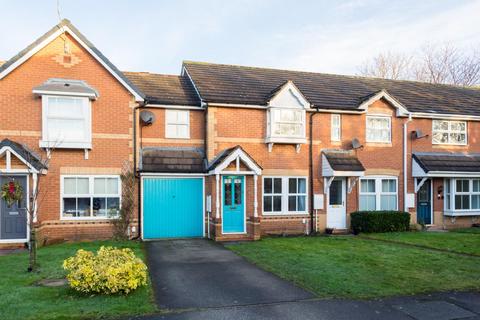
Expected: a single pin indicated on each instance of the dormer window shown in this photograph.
(286, 116)
(66, 114)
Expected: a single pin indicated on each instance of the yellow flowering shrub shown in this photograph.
(110, 270)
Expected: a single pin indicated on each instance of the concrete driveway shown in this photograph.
(199, 273)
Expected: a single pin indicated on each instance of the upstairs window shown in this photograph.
(449, 132)
(66, 122)
(288, 122)
(336, 127)
(177, 124)
(379, 129)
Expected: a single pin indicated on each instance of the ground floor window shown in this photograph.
(284, 195)
(378, 193)
(90, 196)
(462, 194)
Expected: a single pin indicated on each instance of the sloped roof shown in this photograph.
(220, 83)
(65, 23)
(165, 89)
(23, 151)
(225, 153)
(451, 162)
(173, 160)
(343, 161)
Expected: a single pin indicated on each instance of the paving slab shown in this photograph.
(434, 310)
(199, 273)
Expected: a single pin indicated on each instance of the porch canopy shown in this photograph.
(341, 163)
(30, 160)
(172, 160)
(444, 165)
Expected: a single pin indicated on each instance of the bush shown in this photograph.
(379, 221)
(109, 271)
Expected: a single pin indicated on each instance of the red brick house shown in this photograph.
(227, 152)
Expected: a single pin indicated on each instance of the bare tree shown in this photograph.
(388, 66)
(433, 63)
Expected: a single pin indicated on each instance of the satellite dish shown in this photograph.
(418, 134)
(147, 117)
(356, 144)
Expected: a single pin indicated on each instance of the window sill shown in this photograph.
(378, 144)
(460, 213)
(96, 219)
(283, 214)
(286, 140)
(446, 146)
(65, 145)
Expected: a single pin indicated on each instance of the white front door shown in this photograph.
(336, 211)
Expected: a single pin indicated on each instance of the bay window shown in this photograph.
(449, 132)
(379, 129)
(378, 193)
(90, 196)
(462, 196)
(284, 195)
(66, 122)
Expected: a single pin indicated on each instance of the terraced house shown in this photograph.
(226, 152)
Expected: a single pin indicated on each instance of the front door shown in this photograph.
(13, 219)
(424, 203)
(336, 211)
(233, 204)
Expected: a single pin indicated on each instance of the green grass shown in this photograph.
(467, 230)
(464, 241)
(351, 267)
(20, 298)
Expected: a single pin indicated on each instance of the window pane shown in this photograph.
(182, 131)
(462, 202)
(83, 207)
(302, 185)
(238, 191)
(267, 185)
(99, 186)
(267, 203)
(367, 185)
(62, 130)
(277, 203)
(336, 193)
(292, 185)
(463, 186)
(388, 202)
(69, 207)
(82, 186)
(228, 192)
(301, 203)
(475, 201)
(277, 185)
(367, 203)
(292, 203)
(388, 185)
(112, 186)
(99, 207)
(70, 185)
(440, 137)
(476, 185)
(113, 207)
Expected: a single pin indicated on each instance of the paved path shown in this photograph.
(199, 279)
(203, 274)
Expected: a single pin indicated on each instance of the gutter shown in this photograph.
(310, 167)
(405, 148)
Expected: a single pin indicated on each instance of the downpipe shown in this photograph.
(405, 165)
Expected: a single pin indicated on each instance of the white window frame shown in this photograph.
(285, 194)
(378, 191)
(450, 131)
(45, 142)
(371, 116)
(273, 137)
(90, 195)
(452, 182)
(170, 135)
(336, 127)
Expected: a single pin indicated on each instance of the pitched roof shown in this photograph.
(67, 86)
(23, 151)
(220, 83)
(173, 160)
(63, 26)
(165, 89)
(343, 161)
(451, 162)
(225, 153)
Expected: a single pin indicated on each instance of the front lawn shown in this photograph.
(464, 241)
(21, 298)
(351, 267)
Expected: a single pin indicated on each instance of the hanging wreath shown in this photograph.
(12, 192)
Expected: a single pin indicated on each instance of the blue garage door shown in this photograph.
(172, 208)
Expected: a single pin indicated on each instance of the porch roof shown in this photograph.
(342, 163)
(224, 158)
(24, 153)
(445, 164)
(173, 160)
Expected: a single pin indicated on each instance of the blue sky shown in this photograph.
(321, 36)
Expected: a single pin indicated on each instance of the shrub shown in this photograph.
(379, 221)
(109, 271)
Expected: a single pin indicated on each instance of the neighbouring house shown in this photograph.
(226, 152)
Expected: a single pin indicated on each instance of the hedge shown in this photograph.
(379, 221)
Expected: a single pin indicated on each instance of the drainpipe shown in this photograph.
(405, 166)
(310, 168)
(137, 176)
